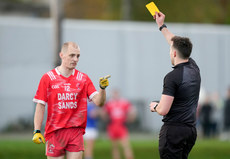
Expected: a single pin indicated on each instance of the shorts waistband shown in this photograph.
(179, 124)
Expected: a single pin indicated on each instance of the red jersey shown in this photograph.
(66, 99)
(118, 110)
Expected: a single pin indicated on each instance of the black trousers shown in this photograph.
(176, 140)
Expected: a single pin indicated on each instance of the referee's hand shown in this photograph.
(160, 18)
(152, 105)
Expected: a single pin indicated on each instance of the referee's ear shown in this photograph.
(174, 53)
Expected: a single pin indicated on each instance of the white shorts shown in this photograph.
(90, 133)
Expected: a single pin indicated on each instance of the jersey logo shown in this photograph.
(51, 148)
(79, 76)
(51, 75)
(55, 86)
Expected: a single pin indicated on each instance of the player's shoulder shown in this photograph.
(125, 101)
(81, 75)
(51, 75)
(77, 72)
(109, 103)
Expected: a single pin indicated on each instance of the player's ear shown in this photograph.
(61, 55)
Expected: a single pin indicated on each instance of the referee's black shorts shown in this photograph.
(176, 140)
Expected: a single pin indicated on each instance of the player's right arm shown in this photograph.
(38, 119)
(100, 98)
(41, 99)
(160, 18)
(38, 116)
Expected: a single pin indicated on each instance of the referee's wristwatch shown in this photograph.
(155, 107)
(163, 26)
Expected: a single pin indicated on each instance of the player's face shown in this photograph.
(71, 57)
(115, 94)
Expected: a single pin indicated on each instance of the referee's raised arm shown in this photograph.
(160, 18)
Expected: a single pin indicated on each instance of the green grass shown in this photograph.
(211, 149)
(204, 149)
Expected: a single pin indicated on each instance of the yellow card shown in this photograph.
(152, 8)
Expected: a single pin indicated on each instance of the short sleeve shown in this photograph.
(91, 90)
(170, 84)
(41, 94)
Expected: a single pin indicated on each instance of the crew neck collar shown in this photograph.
(59, 73)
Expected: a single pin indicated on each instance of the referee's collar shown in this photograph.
(182, 64)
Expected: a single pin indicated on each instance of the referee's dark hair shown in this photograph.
(183, 45)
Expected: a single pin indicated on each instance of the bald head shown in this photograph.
(69, 46)
(69, 55)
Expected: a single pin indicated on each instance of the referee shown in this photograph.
(179, 98)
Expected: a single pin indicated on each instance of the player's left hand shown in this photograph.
(104, 82)
(37, 137)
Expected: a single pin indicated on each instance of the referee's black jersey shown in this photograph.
(183, 83)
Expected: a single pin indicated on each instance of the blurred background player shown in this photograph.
(119, 111)
(227, 111)
(91, 131)
(205, 117)
(179, 98)
(65, 90)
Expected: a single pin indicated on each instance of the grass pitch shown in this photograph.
(147, 149)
